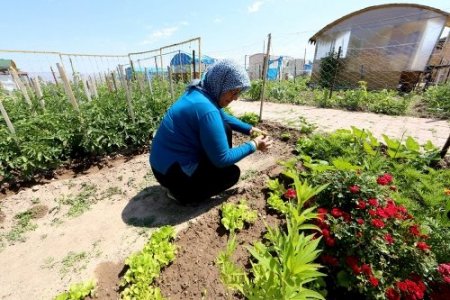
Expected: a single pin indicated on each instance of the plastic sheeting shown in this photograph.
(186, 59)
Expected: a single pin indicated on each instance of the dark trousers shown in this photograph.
(207, 180)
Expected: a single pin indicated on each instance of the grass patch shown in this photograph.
(81, 202)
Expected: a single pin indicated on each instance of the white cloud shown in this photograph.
(184, 23)
(218, 20)
(159, 34)
(255, 6)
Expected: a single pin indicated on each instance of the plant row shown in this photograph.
(57, 134)
(376, 226)
(434, 102)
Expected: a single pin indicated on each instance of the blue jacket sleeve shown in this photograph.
(236, 124)
(214, 141)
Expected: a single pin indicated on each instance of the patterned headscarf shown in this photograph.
(223, 76)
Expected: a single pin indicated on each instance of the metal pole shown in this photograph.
(199, 58)
(193, 63)
(445, 148)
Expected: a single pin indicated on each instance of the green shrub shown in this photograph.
(437, 99)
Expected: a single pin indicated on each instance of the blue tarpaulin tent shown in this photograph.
(183, 58)
(273, 72)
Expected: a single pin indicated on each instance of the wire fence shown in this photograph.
(93, 69)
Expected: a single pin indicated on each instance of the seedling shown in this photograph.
(235, 215)
(78, 291)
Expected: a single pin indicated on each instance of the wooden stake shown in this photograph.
(67, 87)
(266, 64)
(93, 87)
(113, 76)
(128, 94)
(170, 81)
(20, 86)
(54, 75)
(86, 90)
(149, 80)
(38, 91)
(6, 118)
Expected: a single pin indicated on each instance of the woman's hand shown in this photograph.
(263, 143)
(255, 131)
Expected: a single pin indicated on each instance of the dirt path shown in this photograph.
(63, 244)
(331, 119)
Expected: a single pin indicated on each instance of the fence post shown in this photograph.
(67, 87)
(265, 66)
(20, 86)
(38, 91)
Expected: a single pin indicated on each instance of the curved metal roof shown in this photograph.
(336, 22)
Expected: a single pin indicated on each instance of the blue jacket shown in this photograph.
(193, 127)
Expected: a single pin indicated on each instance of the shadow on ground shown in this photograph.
(151, 207)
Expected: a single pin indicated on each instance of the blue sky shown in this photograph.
(228, 28)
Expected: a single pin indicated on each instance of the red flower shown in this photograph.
(366, 269)
(392, 294)
(423, 246)
(354, 189)
(402, 286)
(373, 281)
(381, 213)
(373, 202)
(329, 260)
(336, 212)
(378, 223)
(352, 262)
(444, 270)
(402, 209)
(360, 221)
(372, 212)
(384, 179)
(347, 217)
(325, 232)
(321, 214)
(290, 194)
(388, 238)
(414, 230)
(330, 242)
(361, 204)
(390, 210)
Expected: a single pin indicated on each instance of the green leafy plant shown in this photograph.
(234, 216)
(437, 98)
(78, 291)
(283, 267)
(250, 118)
(145, 266)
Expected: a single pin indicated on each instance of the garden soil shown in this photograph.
(83, 226)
